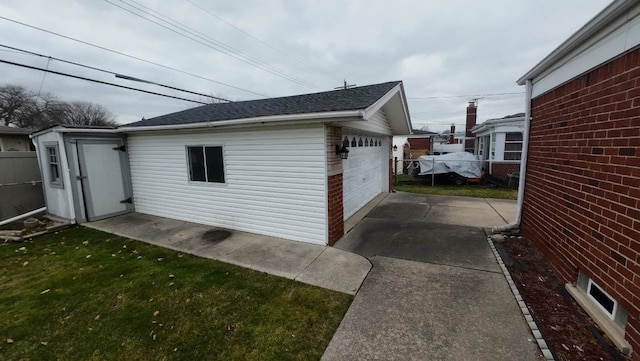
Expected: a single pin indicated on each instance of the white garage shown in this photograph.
(362, 172)
(278, 166)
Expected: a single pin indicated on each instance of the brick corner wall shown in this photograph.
(581, 203)
(335, 209)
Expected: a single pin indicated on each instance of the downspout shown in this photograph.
(523, 162)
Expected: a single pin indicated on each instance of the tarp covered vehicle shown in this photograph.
(464, 166)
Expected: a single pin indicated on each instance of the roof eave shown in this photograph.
(322, 116)
(598, 22)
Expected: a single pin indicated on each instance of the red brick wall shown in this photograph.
(581, 204)
(335, 211)
(420, 143)
(500, 170)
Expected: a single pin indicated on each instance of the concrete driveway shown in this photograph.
(435, 291)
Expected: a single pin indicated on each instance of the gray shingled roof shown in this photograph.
(12, 130)
(337, 100)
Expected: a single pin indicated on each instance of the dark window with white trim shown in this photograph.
(53, 162)
(206, 164)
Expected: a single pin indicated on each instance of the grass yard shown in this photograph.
(82, 294)
(466, 191)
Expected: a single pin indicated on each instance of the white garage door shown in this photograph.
(362, 177)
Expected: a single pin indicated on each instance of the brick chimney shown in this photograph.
(469, 142)
(451, 134)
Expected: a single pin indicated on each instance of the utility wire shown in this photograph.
(226, 49)
(117, 75)
(464, 96)
(131, 56)
(220, 47)
(98, 81)
(261, 41)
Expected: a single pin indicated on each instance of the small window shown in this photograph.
(366, 142)
(206, 164)
(354, 142)
(360, 142)
(602, 299)
(54, 165)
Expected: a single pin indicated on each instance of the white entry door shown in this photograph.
(362, 173)
(102, 173)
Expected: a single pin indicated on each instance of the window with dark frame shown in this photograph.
(206, 164)
(54, 165)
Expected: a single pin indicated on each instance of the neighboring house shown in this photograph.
(581, 199)
(418, 143)
(499, 143)
(15, 139)
(269, 166)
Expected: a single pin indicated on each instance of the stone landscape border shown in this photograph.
(546, 352)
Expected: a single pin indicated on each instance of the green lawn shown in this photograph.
(466, 191)
(82, 294)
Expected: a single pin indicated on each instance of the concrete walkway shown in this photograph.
(435, 291)
(321, 266)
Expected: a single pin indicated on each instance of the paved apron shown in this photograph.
(435, 291)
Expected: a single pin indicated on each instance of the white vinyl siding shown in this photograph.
(274, 181)
(377, 123)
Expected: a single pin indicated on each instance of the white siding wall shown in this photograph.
(58, 199)
(378, 123)
(275, 181)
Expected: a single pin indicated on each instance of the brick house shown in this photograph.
(419, 143)
(580, 203)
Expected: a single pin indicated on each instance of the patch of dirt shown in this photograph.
(568, 330)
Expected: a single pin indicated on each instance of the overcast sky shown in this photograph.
(445, 51)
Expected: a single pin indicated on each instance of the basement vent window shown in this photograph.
(603, 300)
(206, 164)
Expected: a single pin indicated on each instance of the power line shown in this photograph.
(131, 56)
(117, 75)
(227, 50)
(464, 96)
(98, 81)
(236, 54)
(260, 40)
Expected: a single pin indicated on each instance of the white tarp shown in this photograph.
(463, 163)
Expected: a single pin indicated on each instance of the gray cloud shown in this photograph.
(438, 48)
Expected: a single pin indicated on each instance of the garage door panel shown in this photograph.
(362, 177)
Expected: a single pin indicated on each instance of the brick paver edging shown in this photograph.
(546, 353)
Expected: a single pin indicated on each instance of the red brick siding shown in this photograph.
(581, 204)
(420, 143)
(335, 211)
(500, 170)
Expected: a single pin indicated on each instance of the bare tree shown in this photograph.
(16, 105)
(85, 113)
(24, 109)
